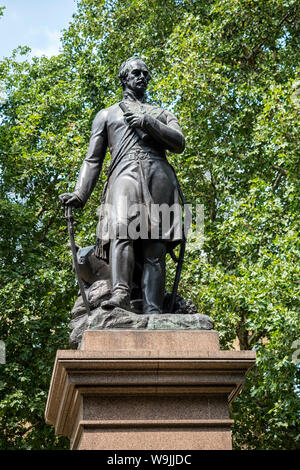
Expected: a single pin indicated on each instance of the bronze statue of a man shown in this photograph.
(137, 135)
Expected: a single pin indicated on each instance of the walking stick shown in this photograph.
(70, 220)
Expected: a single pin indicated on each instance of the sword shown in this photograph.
(179, 261)
(70, 220)
(180, 258)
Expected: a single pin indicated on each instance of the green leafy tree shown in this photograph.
(228, 69)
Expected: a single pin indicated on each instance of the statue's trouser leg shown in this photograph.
(154, 275)
(122, 264)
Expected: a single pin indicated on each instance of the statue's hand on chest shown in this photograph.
(136, 112)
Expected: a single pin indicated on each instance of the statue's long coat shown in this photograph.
(140, 176)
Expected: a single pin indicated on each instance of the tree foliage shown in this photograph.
(228, 69)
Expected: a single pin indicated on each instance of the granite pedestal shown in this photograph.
(146, 389)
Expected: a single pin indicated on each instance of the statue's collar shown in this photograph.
(130, 96)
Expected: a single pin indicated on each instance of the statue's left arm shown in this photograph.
(168, 134)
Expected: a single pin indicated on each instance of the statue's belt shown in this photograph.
(141, 155)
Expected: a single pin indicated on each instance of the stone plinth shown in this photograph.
(146, 390)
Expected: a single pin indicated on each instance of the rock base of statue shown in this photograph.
(146, 390)
(185, 315)
(121, 319)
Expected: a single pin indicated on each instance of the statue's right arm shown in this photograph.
(92, 164)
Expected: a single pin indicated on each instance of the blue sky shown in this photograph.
(34, 23)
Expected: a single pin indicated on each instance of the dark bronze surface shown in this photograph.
(138, 136)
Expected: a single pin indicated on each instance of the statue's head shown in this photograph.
(134, 74)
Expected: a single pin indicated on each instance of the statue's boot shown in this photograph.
(122, 265)
(153, 279)
(120, 298)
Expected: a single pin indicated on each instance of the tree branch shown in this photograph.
(277, 182)
(254, 52)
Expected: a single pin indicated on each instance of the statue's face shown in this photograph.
(137, 77)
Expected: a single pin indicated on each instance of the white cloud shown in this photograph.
(3, 95)
(51, 39)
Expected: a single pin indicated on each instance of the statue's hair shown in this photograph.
(124, 69)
